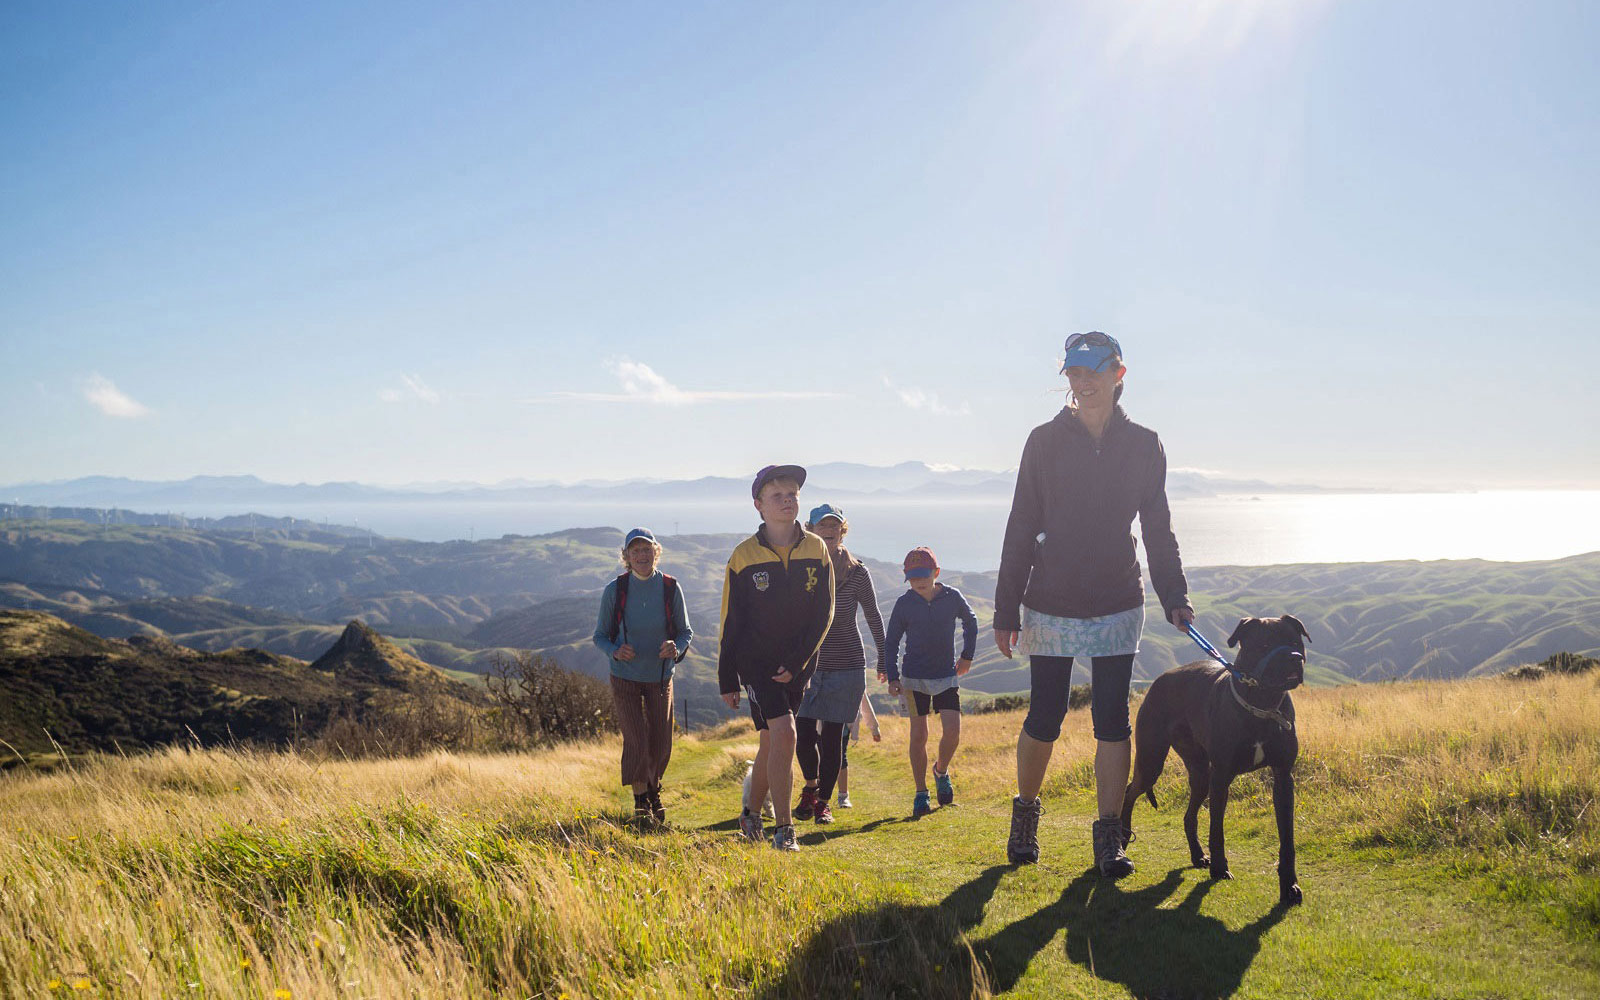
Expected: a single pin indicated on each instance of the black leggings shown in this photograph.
(1051, 686)
(819, 755)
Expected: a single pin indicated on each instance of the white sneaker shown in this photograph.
(844, 802)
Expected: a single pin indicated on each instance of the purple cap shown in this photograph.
(772, 472)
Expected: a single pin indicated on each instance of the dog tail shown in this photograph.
(1150, 793)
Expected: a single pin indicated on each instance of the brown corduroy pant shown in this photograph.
(644, 714)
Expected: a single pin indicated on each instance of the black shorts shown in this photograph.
(771, 700)
(948, 700)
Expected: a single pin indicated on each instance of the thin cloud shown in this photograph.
(643, 384)
(411, 387)
(929, 402)
(103, 395)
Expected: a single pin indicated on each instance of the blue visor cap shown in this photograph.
(636, 534)
(1095, 357)
(822, 511)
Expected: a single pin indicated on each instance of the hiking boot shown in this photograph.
(1022, 847)
(920, 806)
(844, 801)
(807, 804)
(1109, 856)
(823, 813)
(945, 787)
(658, 812)
(750, 826)
(783, 839)
(641, 809)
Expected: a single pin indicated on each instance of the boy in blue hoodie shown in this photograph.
(925, 616)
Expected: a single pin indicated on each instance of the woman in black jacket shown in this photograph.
(1070, 587)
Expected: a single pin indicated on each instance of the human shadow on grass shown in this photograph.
(893, 949)
(1131, 938)
(823, 834)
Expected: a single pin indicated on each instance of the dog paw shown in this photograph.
(1290, 895)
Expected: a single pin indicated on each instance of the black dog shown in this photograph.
(1223, 726)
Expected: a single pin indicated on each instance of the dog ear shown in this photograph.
(1233, 640)
(1292, 620)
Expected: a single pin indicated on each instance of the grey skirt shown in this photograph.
(834, 695)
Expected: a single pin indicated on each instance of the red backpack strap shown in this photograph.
(619, 605)
(669, 590)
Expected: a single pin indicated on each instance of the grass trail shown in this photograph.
(1448, 848)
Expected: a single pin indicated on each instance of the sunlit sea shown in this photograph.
(1225, 530)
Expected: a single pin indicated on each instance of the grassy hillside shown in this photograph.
(1448, 848)
(63, 687)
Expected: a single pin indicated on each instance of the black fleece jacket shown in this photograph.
(1082, 497)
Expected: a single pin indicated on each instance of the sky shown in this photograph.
(1346, 243)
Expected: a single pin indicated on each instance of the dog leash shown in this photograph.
(1212, 652)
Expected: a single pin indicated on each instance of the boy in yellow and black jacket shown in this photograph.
(777, 604)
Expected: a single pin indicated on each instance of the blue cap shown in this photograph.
(822, 511)
(636, 534)
(1093, 350)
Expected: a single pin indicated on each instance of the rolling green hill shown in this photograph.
(455, 604)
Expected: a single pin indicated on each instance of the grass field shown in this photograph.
(1449, 847)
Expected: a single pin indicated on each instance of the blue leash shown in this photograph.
(1212, 652)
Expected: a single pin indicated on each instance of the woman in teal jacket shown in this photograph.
(644, 628)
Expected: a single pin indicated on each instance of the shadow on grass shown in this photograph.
(1133, 938)
(1137, 938)
(823, 834)
(894, 950)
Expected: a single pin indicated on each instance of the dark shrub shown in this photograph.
(1569, 663)
(540, 702)
(1526, 672)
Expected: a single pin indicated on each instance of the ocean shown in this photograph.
(1246, 530)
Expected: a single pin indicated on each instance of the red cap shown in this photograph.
(920, 562)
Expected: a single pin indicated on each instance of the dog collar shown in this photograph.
(1271, 715)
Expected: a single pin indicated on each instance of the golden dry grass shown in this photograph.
(237, 874)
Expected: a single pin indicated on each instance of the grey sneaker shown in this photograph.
(1022, 848)
(1109, 856)
(783, 839)
(750, 826)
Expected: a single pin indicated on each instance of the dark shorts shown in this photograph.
(1051, 687)
(771, 700)
(948, 700)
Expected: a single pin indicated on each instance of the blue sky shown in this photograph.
(1346, 243)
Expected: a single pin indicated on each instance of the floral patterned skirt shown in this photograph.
(1108, 635)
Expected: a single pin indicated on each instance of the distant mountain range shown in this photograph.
(839, 479)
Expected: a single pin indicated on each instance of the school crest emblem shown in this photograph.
(762, 581)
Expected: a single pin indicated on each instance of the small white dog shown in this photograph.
(766, 806)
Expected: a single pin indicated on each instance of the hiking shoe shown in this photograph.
(823, 813)
(750, 826)
(945, 787)
(844, 802)
(783, 839)
(807, 804)
(920, 806)
(641, 809)
(1022, 847)
(1109, 856)
(658, 812)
